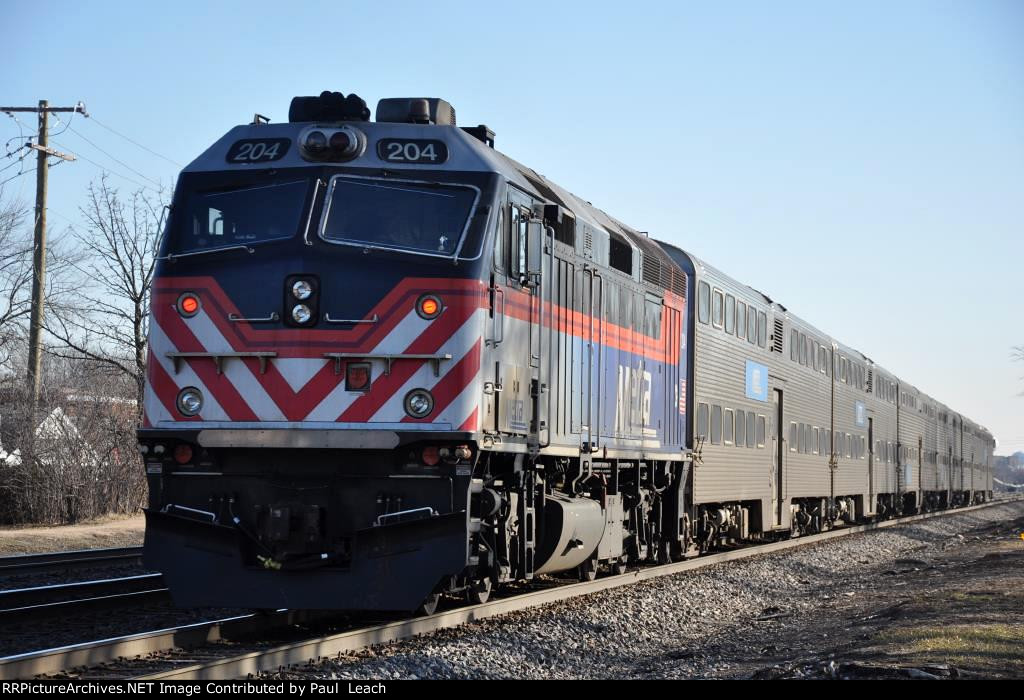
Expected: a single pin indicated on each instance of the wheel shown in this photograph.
(429, 604)
(479, 591)
(587, 570)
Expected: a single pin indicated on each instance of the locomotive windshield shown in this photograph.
(415, 216)
(242, 215)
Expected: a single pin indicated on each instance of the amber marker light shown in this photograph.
(428, 306)
(188, 305)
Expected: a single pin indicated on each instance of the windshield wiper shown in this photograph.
(171, 257)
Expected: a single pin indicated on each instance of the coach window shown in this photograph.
(803, 349)
(717, 303)
(741, 428)
(760, 431)
(716, 425)
(762, 328)
(741, 320)
(727, 427)
(817, 441)
(822, 360)
(703, 302)
(730, 313)
(793, 441)
(751, 325)
(702, 420)
(794, 343)
(750, 430)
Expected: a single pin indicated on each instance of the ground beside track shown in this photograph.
(943, 597)
(110, 531)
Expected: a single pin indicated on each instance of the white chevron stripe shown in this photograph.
(458, 346)
(243, 380)
(155, 409)
(400, 337)
(297, 371)
(160, 344)
(459, 411)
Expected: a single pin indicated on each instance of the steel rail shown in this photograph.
(58, 659)
(83, 596)
(57, 561)
(309, 650)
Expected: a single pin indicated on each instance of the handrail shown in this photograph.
(219, 357)
(388, 358)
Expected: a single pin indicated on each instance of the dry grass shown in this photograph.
(979, 647)
(106, 531)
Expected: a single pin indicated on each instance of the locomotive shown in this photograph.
(388, 363)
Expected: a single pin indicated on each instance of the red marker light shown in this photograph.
(183, 454)
(357, 376)
(431, 456)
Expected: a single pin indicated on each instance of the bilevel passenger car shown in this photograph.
(388, 362)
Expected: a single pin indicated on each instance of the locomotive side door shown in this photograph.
(778, 457)
(512, 296)
(539, 282)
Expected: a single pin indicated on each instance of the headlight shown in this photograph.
(302, 290)
(301, 313)
(316, 142)
(419, 403)
(190, 401)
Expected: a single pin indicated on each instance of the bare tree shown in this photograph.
(1018, 355)
(15, 276)
(105, 319)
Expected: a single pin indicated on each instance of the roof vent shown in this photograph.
(416, 110)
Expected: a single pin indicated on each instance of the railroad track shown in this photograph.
(62, 599)
(221, 666)
(65, 561)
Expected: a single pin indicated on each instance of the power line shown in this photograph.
(14, 177)
(106, 169)
(132, 141)
(120, 162)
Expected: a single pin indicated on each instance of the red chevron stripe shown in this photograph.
(166, 391)
(296, 406)
(471, 422)
(452, 384)
(217, 384)
(430, 341)
(301, 342)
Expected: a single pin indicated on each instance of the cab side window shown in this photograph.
(517, 222)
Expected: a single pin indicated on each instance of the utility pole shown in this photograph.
(39, 246)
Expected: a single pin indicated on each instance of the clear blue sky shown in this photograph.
(863, 163)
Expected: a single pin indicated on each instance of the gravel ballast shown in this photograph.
(708, 623)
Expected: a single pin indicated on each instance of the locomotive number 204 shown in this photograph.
(257, 150)
(427, 151)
